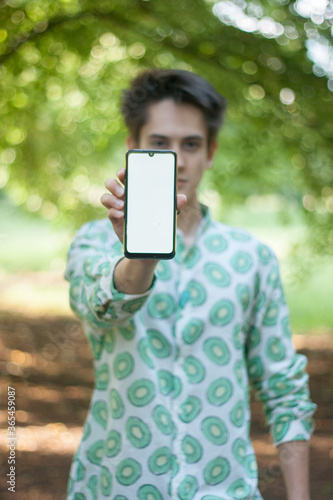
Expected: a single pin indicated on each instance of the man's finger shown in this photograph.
(181, 201)
(115, 187)
(121, 175)
(111, 201)
(115, 214)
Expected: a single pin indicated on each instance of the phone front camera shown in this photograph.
(151, 154)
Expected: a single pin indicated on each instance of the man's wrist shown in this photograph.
(294, 461)
(134, 276)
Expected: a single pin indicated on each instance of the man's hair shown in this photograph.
(182, 86)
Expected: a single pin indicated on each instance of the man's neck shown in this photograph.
(188, 221)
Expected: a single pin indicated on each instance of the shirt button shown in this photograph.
(184, 298)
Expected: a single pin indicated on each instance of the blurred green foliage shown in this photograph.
(63, 64)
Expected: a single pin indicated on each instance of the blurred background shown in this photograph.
(63, 65)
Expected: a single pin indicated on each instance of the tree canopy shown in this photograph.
(64, 63)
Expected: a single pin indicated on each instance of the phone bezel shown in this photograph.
(154, 256)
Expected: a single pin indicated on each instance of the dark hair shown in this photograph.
(182, 86)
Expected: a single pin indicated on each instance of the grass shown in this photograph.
(310, 301)
(29, 245)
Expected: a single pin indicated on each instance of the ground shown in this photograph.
(48, 363)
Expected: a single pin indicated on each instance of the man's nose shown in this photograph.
(180, 157)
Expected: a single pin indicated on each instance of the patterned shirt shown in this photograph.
(169, 416)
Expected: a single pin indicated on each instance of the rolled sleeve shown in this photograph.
(276, 372)
(92, 259)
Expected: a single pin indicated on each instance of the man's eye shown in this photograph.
(191, 145)
(158, 144)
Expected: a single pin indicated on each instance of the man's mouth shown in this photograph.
(181, 182)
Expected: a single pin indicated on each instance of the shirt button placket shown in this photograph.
(178, 369)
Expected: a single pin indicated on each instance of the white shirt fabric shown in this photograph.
(169, 416)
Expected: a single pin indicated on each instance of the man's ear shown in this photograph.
(131, 143)
(211, 153)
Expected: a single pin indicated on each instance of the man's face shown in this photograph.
(181, 128)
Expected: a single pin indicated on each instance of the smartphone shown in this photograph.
(150, 204)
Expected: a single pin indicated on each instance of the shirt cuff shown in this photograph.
(118, 307)
(292, 430)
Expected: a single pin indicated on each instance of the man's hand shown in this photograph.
(131, 276)
(115, 202)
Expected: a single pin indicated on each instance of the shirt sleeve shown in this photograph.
(276, 371)
(92, 259)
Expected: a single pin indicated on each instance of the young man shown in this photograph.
(177, 343)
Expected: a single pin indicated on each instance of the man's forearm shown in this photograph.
(294, 460)
(133, 276)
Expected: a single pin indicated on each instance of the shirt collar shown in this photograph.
(204, 224)
(206, 219)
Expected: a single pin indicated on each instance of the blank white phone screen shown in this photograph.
(150, 203)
